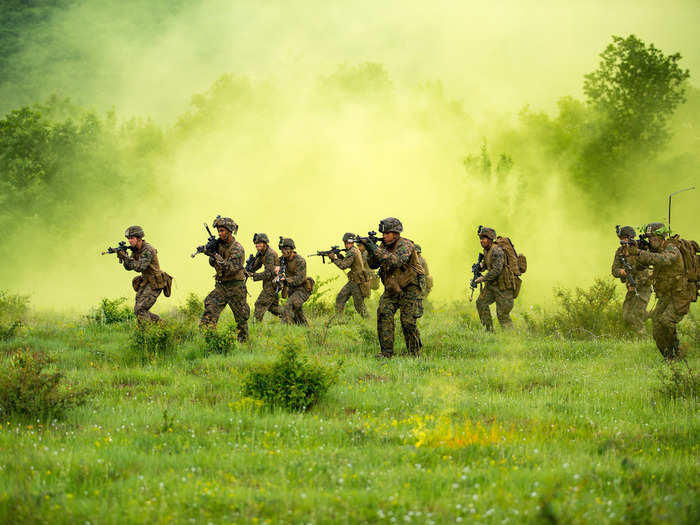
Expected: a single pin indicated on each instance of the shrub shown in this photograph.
(111, 311)
(216, 342)
(317, 304)
(26, 390)
(13, 307)
(289, 382)
(8, 331)
(193, 307)
(679, 381)
(152, 341)
(582, 314)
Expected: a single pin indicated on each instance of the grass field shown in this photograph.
(505, 428)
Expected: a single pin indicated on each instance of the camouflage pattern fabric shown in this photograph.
(233, 294)
(490, 294)
(410, 303)
(354, 261)
(228, 261)
(428, 277)
(293, 312)
(146, 297)
(673, 295)
(268, 300)
(634, 307)
(147, 286)
(351, 289)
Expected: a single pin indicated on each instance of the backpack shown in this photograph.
(691, 261)
(516, 263)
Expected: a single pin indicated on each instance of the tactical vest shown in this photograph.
(507, 279)
(224, 275)
(357, 273)
(397, 279)
(152, 275)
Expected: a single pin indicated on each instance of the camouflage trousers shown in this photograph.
(293, 312)
(351, 289)
(267, 301)
(410, 303)
(665, 317)
(233, 294)
(634, 309)
(490, 294)
(145, 298)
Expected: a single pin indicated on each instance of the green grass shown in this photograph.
(505, 428)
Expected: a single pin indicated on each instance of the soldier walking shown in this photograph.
(358, 286)
(634, 307)
(297, 287)
(267, 258)
(400, 272)
(152, 281)
(227, 257)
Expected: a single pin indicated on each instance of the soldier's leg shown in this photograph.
(385, 323)
(145, 299)
(665, 318)
(411, 305)
(293, 312)
(214, 304)
(634, 312)
(342, 298)
(358, 300)
(275, 308)
(504, 305)
(486, 298)
(299, 317)
(266, 301)
(237, 300)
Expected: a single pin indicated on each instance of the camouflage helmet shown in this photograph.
(134, 231)
(286, 242)
(390, 224)
(225, 222)
(418, 248)
(655, 228)
(349, 237)
(489, 233)
(626, 231)
(260, 237)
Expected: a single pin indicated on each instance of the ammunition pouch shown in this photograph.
(138, 282)
(309, 284)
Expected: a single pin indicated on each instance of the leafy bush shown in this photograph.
(289, 382)
(8, 331)
(26, 390)
(13, 307)
(582, 314)
(679, 381)
(193, 307)
(152, 341)
(317, 304)
(216, 342)
(111, 311)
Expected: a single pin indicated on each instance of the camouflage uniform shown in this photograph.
(497, 287)
(634, 308)
(230, 288)
(268, 300)
(399, 271)
(149, 284)
(296, 290)
(357, 278)
(428, 277)
(673, 292)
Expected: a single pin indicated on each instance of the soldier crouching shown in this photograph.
(297, 287)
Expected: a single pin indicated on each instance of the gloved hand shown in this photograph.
(371, 247)
(211, 246)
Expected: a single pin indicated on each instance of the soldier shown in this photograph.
(428, 277)
(227, 257)
(634, 308)
(400, 272)
(152, 281)
(267, 259)
(357, 286)
(499, 283)
(297, 287)
(673, 291)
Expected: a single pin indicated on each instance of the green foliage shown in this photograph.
(13, 307)
(154, 341)
(318, 303)
(290, 382)
(111, 311)
(193, 308)
(10, 330)
(216, 342)
(678, 380)
(26, 390)
(581, 314)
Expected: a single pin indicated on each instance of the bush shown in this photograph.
(13, 307)
(679, 381)
(27, 391)
(152, 341)
(289, 382)
(8, 331)
(219, 342)
(582, 314)
(317, 304)
(111, 311)
(193, 307)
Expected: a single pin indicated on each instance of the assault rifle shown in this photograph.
(326, 253)
(281, 275)
(628, 271)
(212, 243)
(477, 269)
(371, 237)
(250, 262)
(643, 242)
(121, 247)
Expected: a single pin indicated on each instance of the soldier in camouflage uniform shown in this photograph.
(498, 288)
(673, 291)
(267, 258)
(428, 277)
(357, 286)
(227, 257)
(297, 286)
(634, 308)
(400, 273)
(152, 281)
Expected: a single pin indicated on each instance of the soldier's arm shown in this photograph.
(300, 275)
(616, 265)
(498, 260)
(269, 272)
(346, 262)
(144, 261)
(234, 261)
(668, 256)
(395, 259)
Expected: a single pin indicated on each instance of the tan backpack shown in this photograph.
(691, 261)
(516, 263)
